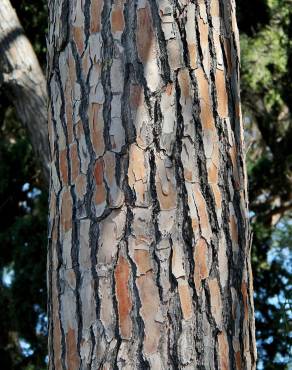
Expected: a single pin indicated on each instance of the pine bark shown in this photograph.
(149, 239)
(23, 82)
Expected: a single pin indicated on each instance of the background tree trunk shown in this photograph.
(24, 82)
(149, 241)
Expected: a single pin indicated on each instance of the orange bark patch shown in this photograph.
(203, 29)
(78, 34)
(185, 299)
(71, 350)
(80, 185)
(66, 211)
(238, 110)
(216, 301)
(166, 200)
(193, 55)
(54, 239)
(184, 82)
(144, 33)
(137, 169)
(140, 190)
(122, 274)
(195, 224)
(117, 19)
(223, 351)
(238, 360)
(95, 15)
(142, 260)
(206, 114)
(86, 63)
(189, 176)
(217, 195)
(71, 278)
(79, 129)
(215, 10)
(96, 128)
(149, 297)
(110, 167)
(202, 209)
(64, 166)
(98, 172)
(222, 99)
(203, 84)
(57, 344)
(213, 174)
(201, 263)
(100, 194)
(74, 161)
(72, 68)
(137, 173)
(169, 88)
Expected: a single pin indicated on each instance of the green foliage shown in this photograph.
(23, 226)
(264, 62)
(266, 82)
(23, 212)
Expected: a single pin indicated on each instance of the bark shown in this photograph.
(149, 240)
(24, 83)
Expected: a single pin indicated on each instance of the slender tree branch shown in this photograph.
(23, 82)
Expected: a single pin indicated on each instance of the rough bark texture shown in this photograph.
(24, 83)
(148, 263)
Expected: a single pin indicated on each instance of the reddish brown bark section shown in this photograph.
(122, 274)
(71, 350)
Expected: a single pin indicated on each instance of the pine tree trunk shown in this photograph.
(23, 81)
(149, 240)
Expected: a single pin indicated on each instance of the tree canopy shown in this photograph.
(266, 30)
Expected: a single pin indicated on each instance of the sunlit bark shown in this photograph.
(149, 242)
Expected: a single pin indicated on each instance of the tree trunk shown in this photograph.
(24, 82)
(149, 241)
